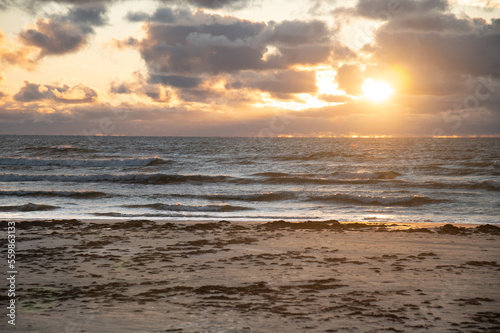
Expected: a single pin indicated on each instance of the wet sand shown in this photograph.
(145, 276)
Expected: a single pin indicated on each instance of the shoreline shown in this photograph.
(407, 225)
(138, 275)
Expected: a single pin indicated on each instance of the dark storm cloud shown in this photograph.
(32, 92)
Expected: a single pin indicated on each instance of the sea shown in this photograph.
(439, 180)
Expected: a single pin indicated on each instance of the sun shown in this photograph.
(377, 91)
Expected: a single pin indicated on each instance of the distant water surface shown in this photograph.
(181, 178)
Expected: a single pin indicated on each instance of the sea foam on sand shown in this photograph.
(145, 276)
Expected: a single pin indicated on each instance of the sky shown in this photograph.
(266, 68)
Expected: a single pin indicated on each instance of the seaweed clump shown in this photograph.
(450, 229)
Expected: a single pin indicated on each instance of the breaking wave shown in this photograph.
(29, 207)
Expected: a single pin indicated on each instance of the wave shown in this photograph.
(316, 181)
(271, 174)
(493, 185)
(70, 194)
(269, 196)
(177, 215)
(480, 164)
(139, 178)
(367, 175)
(317, 156)
(204, 216)
(333, 178)
(124, 162)
(415, 200)
(29, 207)
(159, 178)
(186, 208)
(60, 148)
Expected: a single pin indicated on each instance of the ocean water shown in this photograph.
(251, 179)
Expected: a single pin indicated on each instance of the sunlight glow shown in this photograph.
(377, 91)
(325, 81)
(303, 101)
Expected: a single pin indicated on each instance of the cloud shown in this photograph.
(62, 34)
(32, 92)
(161, 15)
(230, 45)
(121, 88)
(54, 38)
(388, 9)
(188, 51)
(139, 86)
(475, 53)
(280, 84)
(423, 48)
(212, 4)
(86, 16)
(34, 7)
(334, 98)
(199, 49)
(15, 54)
(178, 81)
(296, 32)
(350, 78)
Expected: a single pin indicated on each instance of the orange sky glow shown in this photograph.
(250, 68)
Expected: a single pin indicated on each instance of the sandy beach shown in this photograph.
(154, 276)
